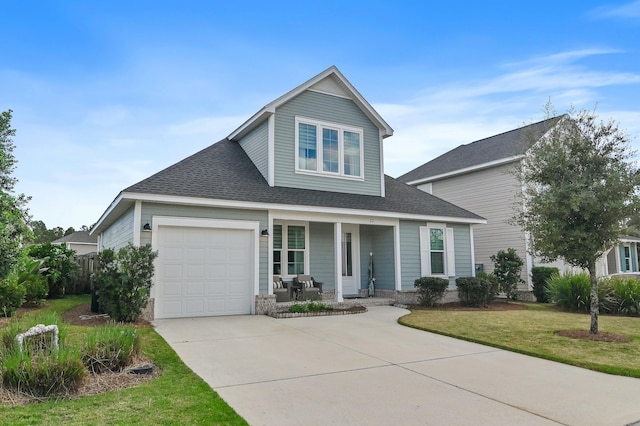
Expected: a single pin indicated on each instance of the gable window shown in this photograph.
(437, 255)
(328, 149)
(289, 249)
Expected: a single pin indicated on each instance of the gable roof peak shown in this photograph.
(337, 85)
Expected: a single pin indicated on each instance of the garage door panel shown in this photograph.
(204, 272)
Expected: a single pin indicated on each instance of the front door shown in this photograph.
(350, 259)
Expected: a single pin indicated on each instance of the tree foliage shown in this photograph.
(13, 214)
(578, 184)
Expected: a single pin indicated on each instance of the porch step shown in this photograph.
(369, 301)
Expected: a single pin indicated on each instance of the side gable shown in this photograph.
(489, 152)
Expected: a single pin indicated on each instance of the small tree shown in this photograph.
(13, 215)
(507, 268)
(578, 184)
(123, 281)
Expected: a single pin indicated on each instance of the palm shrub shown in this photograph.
(473, 291)
(430, 290)
(28, 272)
(507, 266)
(624, 296)
(60, 264)
(573, 292)
(540, 275)
(123, 281)
(110, 348)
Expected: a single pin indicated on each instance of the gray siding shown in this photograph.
(256, 145)
(379, 241)
(491, 193)
(333, 109)
(153, 209)
(462, 243)
(120, 233)
(322, 254)
(410, 252)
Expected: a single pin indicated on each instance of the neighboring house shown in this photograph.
(478, 177)
(299, 188)
(81, 242)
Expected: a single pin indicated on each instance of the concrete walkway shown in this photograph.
(368, 370)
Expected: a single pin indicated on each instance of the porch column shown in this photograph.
(396, 251)
(338, 257)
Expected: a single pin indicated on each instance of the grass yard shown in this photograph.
(531, 332)
(176, 397)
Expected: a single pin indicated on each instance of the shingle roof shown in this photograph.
(224, 171)
(77, 237)
(504, 145)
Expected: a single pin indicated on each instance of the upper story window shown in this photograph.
(329, 149)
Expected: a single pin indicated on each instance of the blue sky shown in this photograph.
(105, 94)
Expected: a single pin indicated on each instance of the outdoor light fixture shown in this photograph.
(265, 232)
(146, 227)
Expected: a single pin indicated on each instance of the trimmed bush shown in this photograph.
(123, 281)
(540, 275)
(507, 266)
(310, 307)
(110, 348)
(475, 292)
(573, 292)
(624, 296)
(431, 290)
(42, 374)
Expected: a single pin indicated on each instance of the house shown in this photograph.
(80, 241)
(299, 188)
(478, 177)
(624, 258)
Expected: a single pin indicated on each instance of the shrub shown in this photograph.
(110, 348)
(12, 295)
(474, 291)
(42, 374)
(624, 296)
(540, 275)
(61, 268)
(573, 292)
(123, 281)
(28, 272)
(431, 290)
(507, 268)
(310, 307)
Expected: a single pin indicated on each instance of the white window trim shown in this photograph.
(448, 251)
(319, 149)
(284, 260)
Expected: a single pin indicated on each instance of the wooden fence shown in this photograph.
(81, 284)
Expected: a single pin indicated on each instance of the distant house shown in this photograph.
(477, 176)
(81, 242)
(298, 188)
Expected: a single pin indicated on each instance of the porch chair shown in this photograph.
(281, 289)
(308, 286)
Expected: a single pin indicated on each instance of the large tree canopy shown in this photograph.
(13, 214)
(578, 185)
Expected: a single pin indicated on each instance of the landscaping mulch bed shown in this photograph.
(92, 384)
(355, 309)
(600, 337)
(498, 305)
(82, 315)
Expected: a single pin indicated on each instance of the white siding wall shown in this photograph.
(120, 233)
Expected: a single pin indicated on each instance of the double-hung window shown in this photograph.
(328, 148)
(289, 249)
(437, 254)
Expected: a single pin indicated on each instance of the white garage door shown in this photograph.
(203, 272)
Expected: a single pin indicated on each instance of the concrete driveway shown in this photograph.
(368, 370)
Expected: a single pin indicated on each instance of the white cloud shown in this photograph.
(625, 11)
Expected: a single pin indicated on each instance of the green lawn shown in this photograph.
(177, 397)
(531, 332)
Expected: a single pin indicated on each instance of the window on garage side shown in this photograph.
(289, 249)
